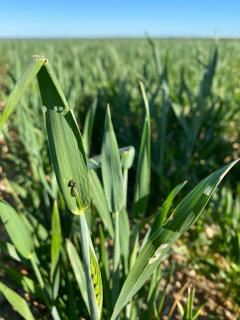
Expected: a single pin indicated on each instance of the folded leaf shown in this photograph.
(111, 167)
(142, 184)
(65, 143)
(78, 271)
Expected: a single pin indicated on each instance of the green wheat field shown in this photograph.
(119, 179)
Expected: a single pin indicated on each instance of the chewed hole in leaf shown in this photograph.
(61, 110)
(158, 253)
(207, 191)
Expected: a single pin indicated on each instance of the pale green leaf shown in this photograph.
(17, 302)
(56, 238)
(91, 270)
(17, 230)
(162, 214)
(88, 126)
(78, 271)
(111, 167)
(23, 82)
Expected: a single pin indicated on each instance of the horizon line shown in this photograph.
(106, 37)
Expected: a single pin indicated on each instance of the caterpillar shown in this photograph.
(73, 184)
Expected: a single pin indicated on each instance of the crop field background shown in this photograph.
(175, 110)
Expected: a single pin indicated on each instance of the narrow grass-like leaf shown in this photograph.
(134, 248)
(55, 313)
(156, 56)
(23, 82)
(205, 90)
(100, 201)
(65, 143)
(105, 272)
(157, 246)
(17, 230)
(126, 157)
(142, 184)
(178, 110)
(91, 271)
(88, 127)
(56, 238)
(124, 234)
(116, 259)
(35, 265)
(96, 278)
(207, 80)
(197, 313)
(104, 254)
(190, 300)
(17, 302)
(163, 124)
(25, 282)
(78, 271)
(162, 215)
(10, 249)
(111, 167)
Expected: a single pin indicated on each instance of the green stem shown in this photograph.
(116, 259)
(37, 272)
(85, 244)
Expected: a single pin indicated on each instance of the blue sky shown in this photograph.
(90, 18)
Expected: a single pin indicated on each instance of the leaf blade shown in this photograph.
(185, 214)
(17, 230)
(17, 302)
(20, 87)
(65, 143)
(111, 167)
(142, 184)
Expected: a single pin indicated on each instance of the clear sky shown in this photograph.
(90, 18)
